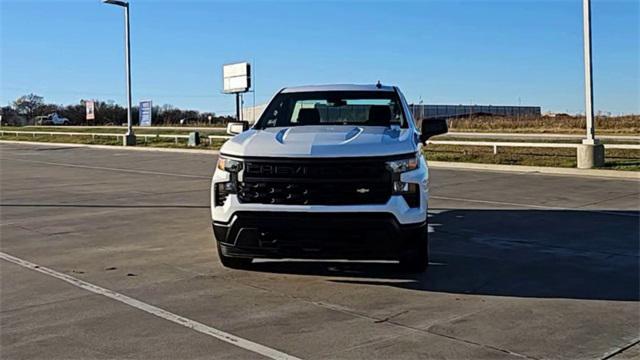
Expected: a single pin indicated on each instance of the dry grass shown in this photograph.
(629, 124)
(115, 130)
(79, 139)
(64, 139)
(618, 159)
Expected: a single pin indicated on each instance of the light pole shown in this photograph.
(590, 152)
(130, 137)
(588, 72)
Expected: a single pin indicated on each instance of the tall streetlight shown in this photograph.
(129, 138)
(590, 152)
(588, 71)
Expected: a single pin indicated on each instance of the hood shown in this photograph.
(321, 141)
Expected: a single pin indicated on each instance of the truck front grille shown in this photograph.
(315, 182)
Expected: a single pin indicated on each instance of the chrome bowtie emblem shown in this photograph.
(362, 191)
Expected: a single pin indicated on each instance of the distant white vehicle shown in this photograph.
(52, 119)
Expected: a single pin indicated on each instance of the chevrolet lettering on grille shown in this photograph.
(282, 170)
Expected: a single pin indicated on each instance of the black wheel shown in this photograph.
(415, 258)
(231, 262)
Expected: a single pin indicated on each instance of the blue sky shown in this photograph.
(447, 52)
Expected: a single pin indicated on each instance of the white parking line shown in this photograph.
(146, 172)
(628, 213)
(499, 203)
(188, 323)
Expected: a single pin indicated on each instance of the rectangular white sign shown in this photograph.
(144, 112)
(236, 77)
(90, 109)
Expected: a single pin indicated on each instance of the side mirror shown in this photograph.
(432, 128)
(237, 127)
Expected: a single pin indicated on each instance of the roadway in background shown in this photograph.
(523, 266)
(453, 133)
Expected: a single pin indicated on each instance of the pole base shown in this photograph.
(589, 141)
(590, 156)
(129, 140)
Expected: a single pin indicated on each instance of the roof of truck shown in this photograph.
(338, 87)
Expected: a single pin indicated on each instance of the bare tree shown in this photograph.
(28, 104)
(106, 112)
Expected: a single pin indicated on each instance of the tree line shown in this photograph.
(25, 110)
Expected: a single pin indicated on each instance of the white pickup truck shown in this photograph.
(52, 119)
(326, 172)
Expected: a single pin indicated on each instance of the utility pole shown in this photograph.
(130, 137)
(588, 73)
(590, 152)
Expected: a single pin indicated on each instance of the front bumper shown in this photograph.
(316, 235)
(396, 205)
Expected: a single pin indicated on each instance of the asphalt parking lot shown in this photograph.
(523, 266)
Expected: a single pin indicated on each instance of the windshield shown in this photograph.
(362, 108)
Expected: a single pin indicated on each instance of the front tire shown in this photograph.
(232, 262)
(415, 258)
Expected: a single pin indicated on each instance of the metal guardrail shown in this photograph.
(451, 133)
(51, 133)
(176, 137)
(622, 146)
(494, 144)
(124, 127)
(543, 136)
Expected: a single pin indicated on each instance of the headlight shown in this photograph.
(229, 165)
(403, 165)
(409, 191)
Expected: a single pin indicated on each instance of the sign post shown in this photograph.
(236, 79)
(144, 112)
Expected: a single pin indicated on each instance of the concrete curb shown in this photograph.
(618, 174)
(113, 147)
